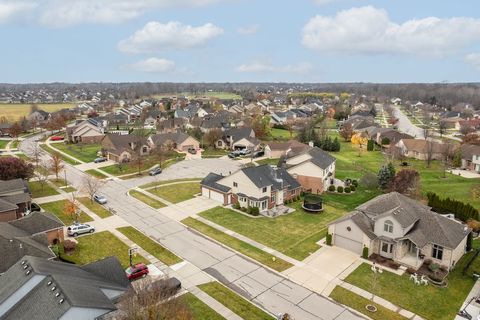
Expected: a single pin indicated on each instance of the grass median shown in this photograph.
(97, 208)
(241, 246)
(146, 199)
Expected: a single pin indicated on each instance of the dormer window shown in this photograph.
(388, 226)
(264, 189)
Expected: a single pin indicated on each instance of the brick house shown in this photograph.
(15, 199)
(124, 148)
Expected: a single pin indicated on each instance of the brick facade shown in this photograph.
(311, 183)
(8, 216)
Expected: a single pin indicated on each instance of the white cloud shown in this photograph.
(368, 30)
(64, 13)
(323, 2)
(248, 30)
(473, 59)
(155, 37)
(153, 65)
(265, 67)
(10, 9)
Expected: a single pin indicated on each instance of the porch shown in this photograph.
(411, 260)
(409, 254)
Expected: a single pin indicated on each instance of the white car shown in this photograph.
(100, 199)
(79, 228)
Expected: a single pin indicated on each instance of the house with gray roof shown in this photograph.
(15, 199)
(313, 168)
(173, 141)
(402, 229)
(36, 288)
(124, 148)
(237, 139)
(262, 186)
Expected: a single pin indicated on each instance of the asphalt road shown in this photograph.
(266, 288)
(405, 125)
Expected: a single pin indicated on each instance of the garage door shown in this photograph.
(348, 244)
(214, 195)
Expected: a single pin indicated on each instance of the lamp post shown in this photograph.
(131, 253)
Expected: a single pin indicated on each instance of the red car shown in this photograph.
(57, 138)
(137, 271)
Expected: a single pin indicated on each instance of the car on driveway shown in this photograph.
(234, 154)
(192, 150)
(56, 138)
(155, 171)
(139, 270)
(79, 228)
(99, 198)
(168, 286)
(100, 159)
(258, 154)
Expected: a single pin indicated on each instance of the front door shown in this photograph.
(386, 250)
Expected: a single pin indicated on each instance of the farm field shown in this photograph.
(15, 111)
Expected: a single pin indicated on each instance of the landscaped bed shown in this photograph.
(429, 301)
(58, 209)
(234, 302)
(152, 247)
(295, 234)
(177, 192)
(242, 247)
(100, 245)
(39, 189)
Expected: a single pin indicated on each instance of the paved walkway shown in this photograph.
(473, 308)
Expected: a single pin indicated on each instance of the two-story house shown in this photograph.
(237, 139)
(402, 229)
(124, 148)
(313, 168)
(15, 199)
(470, 157)
(263, 187)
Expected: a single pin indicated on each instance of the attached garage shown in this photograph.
(348, 244)
(214, 195)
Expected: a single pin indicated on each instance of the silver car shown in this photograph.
(100, 199)
(79, 228)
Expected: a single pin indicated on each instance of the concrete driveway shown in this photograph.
(323, 269)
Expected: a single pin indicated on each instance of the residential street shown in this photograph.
(405, 125)
(268, 289)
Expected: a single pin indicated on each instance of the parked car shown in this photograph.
(56, 138)
(136, 271)
(258, 154)
(99, 198)
(170, 286)
(100, 159)
(192, 150)
(155, 171)
(234, 154)
(245, 152)
(79, 228)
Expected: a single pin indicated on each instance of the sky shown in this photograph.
(239, 41)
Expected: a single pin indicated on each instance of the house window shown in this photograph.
(264, 189)
(235, 184)
(437, 252)
(273, 199)
(242, 199)
(144, 150)
(388, 226)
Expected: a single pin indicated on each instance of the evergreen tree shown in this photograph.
(385, 177)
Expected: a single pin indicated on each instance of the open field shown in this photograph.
(16, 111)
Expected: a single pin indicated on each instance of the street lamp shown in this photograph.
(131, 254)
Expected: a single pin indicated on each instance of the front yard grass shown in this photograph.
(100, 245)
(3, 143)
(429, 301)
(85, 152)
(234, 302)
(152, 247)
(242, 247)
(147, 200)
(58, 209)
(295, 234)
(39, 190)
(97, 208)
(198, 309)
(96, 174)
(358, 303)
(176, 193)
(160, 183)
(64, 158)
(214, 153)
(61, 184)
(271, 161)
(120, 169)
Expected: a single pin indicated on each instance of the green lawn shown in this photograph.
(358, 303)
(58, 209)
(243, 247)
(39, 190)
(198, 309)
(147, 200)
(350, 201)
(100, 245)
(96, 174)
(177, 192)
(60, 183)
(294, 234)
(159, 183)
(64, 158)
(234, 302)
(23, 157)
(85, 153)
(3, 143)
(282, 134)
(97, 208)
(272, 161)
(429, 301)
(214, 153)
(152, 247)
(148, 162)
(14, 144)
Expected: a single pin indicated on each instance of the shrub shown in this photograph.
(298, 198)
(352, 188)
(469, 241)
(340, 189)
(236, 206)
(69, 245)
(355, 183)
(331, 188)
(427, 262)
(433, 267)
(243, 209)
(328, 239)
(369, 181)
(411, 271)
(347, 189)
(365, 253)
(254, 211)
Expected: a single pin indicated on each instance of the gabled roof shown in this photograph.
(265, 175)
(423, 146)
(469, 150)
(211, 181)
(37, 222)
(321, 158)
(239, 133)
(7, 186)
(162, 138)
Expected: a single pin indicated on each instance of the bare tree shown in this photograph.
(442, 127)
(448, 152)
(346, 132)
(56, 164)
(15, 130)
(41, 174)
(91, 185)
(36, 151)
(151, 301)
(212, 136)
(429, 145)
